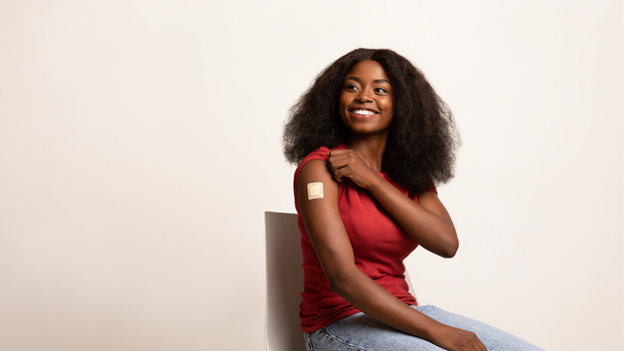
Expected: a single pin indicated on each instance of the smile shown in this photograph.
(363, 112)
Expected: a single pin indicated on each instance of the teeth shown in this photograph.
(364, 112)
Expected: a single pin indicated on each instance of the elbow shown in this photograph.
(449, 253)
(337, 284)
(336, 287)
(450, 249)
(340, 281)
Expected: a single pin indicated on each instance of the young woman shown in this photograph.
(372, 139)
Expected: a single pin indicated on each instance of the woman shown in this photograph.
(372, 139)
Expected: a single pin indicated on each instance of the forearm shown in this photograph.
(435, 232)
(369, 297)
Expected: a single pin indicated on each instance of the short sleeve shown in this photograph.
(318, 154)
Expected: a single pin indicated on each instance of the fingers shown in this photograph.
(457, 339)
(346, 163)
(481, 346)
(335, 165)
(336, 155)
(338, 161)
(339, 152)
(476, 343)
(341, 173)
(340, 158)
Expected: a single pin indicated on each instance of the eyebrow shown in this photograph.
(375, 81)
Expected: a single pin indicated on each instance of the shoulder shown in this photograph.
(313, 169)
(319, 154)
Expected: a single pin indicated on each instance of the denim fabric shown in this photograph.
(359, 332)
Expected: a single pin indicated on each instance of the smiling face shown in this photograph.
(366, 99)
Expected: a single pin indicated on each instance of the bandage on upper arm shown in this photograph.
(315, 191)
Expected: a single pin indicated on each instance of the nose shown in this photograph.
(364, 96)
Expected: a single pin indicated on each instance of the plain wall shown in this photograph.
(140, 144)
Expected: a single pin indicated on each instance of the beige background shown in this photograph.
(140, 145)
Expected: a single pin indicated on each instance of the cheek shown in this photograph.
(343, 101)
(342, 105)
(390, 109)
(388, 106)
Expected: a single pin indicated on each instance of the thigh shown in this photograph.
(360, 332)
(494, 339)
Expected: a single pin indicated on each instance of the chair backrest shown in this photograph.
(284, 277)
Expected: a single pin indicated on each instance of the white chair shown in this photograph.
(284, 277)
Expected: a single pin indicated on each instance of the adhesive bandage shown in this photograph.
(315, 191)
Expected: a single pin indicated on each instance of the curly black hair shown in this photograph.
(423, 138)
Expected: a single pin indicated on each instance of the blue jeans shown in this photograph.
(360, 332)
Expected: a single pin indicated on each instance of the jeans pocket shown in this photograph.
(341, 322)
(308, 341)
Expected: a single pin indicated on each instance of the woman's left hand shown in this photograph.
(427, 220)
(346, 163)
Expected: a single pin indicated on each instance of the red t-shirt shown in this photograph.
(379, 245)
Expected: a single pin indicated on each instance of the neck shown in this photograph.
(369, 148)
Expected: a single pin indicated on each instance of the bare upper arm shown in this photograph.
(431, 202)
(322, 219)
(438, 233)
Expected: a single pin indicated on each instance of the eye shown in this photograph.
(350, 87)
(382, 90)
